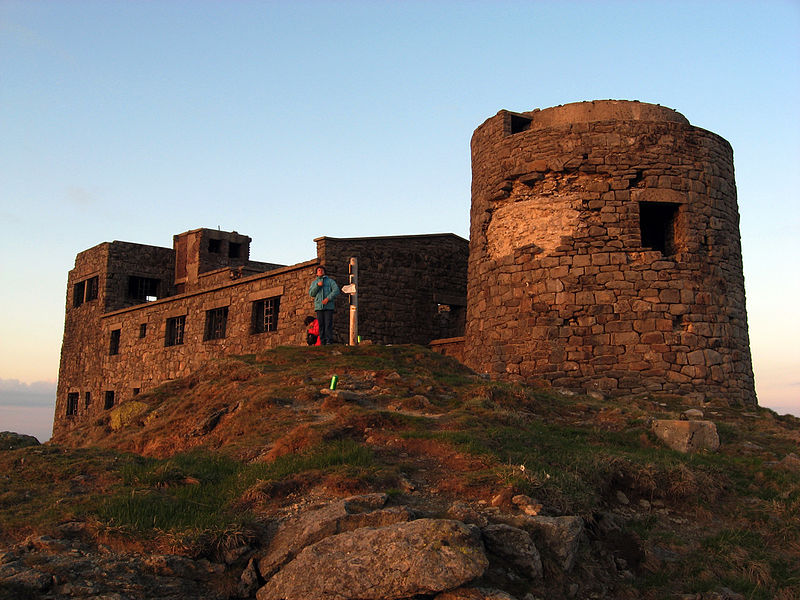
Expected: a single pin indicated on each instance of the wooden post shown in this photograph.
(354, 302)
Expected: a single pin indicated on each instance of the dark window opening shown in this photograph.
(214, 246)
(91, 289)
(87, 399)
(234, 250)
(216, 321)
(142, 330)
(637, 178)
(265, 314)
(175, 328)
(143, 289)
(519, 124)
(657, 224)
(77, 293)
(136, 391)
(109, 403)
(72, 404)
(113, 345)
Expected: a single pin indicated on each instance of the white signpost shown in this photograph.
(351, 289)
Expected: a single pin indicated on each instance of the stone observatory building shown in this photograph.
(605, 253)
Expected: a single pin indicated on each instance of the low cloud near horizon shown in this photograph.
(14, 392)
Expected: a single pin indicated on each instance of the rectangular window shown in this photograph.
(142, 330)
(265, 315)
(143, 289)
(91, 289)
(518, 124)
(77, 293)
(87, 399)
(175, 328)
(214, 246)
(234, 250)
(113, 345)
(216, 322)
(109, 399)
(72, 403)
(657, 226)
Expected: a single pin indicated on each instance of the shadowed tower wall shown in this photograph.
(605, 253)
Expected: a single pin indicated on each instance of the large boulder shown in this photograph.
(338, 517)
(687, 436)
(127, 413)
(425, 556)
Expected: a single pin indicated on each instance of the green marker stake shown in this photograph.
(334, 381)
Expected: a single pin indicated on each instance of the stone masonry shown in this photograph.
(605, 253)
(138, 316)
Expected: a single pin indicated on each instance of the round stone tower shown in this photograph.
(605, 253)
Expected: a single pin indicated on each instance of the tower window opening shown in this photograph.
(72, 404)
(143, 289)
(519, 124)
(77, 293)
(234, 250)
(109, 399)
(113, 345)
(657, 225)
(214, 246)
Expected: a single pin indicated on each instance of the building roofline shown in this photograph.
(233, 283)
(393, 237)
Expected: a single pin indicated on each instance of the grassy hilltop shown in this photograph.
(212, 458)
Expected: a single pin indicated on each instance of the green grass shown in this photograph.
(198, 490)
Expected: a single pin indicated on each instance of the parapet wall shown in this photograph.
(605, 253)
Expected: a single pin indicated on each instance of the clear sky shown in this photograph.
(287, 120)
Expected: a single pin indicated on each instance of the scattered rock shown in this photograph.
(692, 414)
(426, 556)
(504, 497)
(687, 436)
(515, 546)
(790, 461)
(561, 535)
(474, 593)
(461, 511)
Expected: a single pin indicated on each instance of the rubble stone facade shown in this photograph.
(605, 253)
(138, 316)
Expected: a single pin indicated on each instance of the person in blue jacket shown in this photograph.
(324, 289)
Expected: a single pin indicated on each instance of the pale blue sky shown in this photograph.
(290, 120)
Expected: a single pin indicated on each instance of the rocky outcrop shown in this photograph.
(351, 548)
(11, 441)
(397, 561)
(338, 517)
(55, 569)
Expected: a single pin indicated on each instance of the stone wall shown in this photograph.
(605, 253)
(411, 288)
(115, 344)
